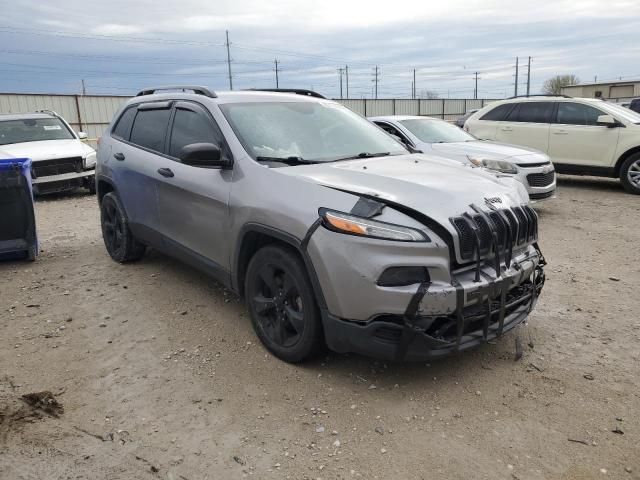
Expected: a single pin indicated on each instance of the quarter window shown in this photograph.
(531, 112)
(192, 127)
(498, 114)
(123, 127)
(577, 114)
(150, 128)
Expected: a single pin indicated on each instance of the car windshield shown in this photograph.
(624, 113)
(33, 130)
(436, 131)
(307, 132)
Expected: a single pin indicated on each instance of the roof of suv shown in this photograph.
(235, 96)
(24, 116)
(548, 98)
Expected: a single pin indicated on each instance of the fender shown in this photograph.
(290, 240)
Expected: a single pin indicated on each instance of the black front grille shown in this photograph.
(541, 179)
(45, 168)
(513, 227)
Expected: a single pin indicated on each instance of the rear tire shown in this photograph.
(118, 239)
(630, 174)
(282, 305)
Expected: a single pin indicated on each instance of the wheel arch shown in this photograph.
(254, 236)
(623, 158)
(104, 185)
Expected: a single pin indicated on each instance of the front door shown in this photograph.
(193, 202)
(577, 139)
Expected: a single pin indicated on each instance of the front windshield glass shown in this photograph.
(435, 131)
(33, 130)
(623, 113)
(309, 131)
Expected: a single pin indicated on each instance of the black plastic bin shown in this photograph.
(17, 219)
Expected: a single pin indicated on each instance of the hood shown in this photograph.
(434, 186)
(45, 150)
(490, 150)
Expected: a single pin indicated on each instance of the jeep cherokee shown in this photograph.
(329, 228)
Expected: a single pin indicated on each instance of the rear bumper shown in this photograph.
(484, 311)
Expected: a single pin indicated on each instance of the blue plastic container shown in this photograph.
(17, 218)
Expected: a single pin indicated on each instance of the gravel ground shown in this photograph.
(160, 375)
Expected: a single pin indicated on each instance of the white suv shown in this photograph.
(581, 136)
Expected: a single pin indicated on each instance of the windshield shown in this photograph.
(436, 131)
(623, 113)
(33, 130)
(307, 131)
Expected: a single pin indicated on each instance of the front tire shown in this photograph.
(630, 174)
(282, 304)
(118, 239)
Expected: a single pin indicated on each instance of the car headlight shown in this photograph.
(90, 160)
(496, 165)
(365, 227)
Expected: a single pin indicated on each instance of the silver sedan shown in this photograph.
(431, 135)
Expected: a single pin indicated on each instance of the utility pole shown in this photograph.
(375, 80)
(515, 94)
(346, 72)
(340, 72)
(84, 88)
(413, 93)
(277, 83)
(229, 62)
(529, 77)
(475, 91)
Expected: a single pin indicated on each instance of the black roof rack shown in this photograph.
(195, 88)
(297, 91)
(540, 95)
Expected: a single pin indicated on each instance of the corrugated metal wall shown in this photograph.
(93, 113)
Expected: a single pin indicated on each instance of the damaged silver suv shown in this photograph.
(330, 229)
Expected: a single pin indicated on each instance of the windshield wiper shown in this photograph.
(292, 160)
(363, 155)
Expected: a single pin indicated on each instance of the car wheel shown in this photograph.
(282, 305)
(630, 174)
(118, 239)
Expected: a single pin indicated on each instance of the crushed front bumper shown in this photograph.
(63, 181)
(484, 310)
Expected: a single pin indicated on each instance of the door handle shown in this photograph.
(560, 132)
(507, 129)
(119, 156)
(165, 172)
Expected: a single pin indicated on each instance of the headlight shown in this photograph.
(365, 227)
(496, 165)
(90, 160)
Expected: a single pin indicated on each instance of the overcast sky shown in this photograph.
(121, 46)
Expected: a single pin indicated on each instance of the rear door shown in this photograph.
(486, 126)
(577, 139)
(527, 125)
(135, 156)
(194, 201)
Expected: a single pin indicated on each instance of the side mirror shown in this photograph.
(82, 135)
(205, 155)
(607, 121)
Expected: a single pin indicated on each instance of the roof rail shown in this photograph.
(297, 91)
(540, 95)
(195, 88)
(50, 112)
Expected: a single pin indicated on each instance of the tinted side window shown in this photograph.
(150, 128)
(498, 114)
(390, 129)
(577, 114)
(123, 127)
(192, 127)
(532, 112)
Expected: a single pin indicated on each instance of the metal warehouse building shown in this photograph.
(617, 91)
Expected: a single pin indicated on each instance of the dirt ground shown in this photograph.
(160, 375)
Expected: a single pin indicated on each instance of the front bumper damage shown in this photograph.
(450, 312)
(484, 311)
